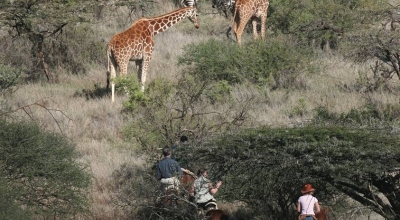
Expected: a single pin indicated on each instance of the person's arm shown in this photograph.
(179, 169)
(158, 175)
(298, 207)
(317, 207)
(213, 189)
(191, 190)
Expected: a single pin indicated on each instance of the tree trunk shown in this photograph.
(37, 40)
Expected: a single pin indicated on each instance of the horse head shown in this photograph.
(216, 214)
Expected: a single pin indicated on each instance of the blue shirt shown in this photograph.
(168, 168)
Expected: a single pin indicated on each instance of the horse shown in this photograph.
(172, 194)
(216, 214)
(322, 214)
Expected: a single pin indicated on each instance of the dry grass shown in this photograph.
(95, 124)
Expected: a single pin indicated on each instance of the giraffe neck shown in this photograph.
(163, 22)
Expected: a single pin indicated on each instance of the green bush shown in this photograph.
(276, 63)
(187, 107)
(9, 77)
(323, 23)
(10, 209)
(42, 171)
(75, 49)
(372, 114)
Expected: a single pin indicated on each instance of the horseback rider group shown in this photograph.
(169, 172)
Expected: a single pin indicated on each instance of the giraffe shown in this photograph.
(246, 10)
(137, 44)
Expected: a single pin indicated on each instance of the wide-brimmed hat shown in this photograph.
(307, 188)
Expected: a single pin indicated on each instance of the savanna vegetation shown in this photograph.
(315, 102)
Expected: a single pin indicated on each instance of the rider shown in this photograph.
(306, 203)
(168, 170)
(175, 153)
(177, 145)
(204, 190)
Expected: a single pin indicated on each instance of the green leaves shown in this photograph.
(348, 158)
(276, 63)
(8, 78)
(42, 171)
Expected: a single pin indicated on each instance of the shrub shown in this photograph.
(42, 171)
(188, 107)
(372, 114)
(277, 63)
(9, 77)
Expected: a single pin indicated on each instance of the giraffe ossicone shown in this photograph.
(137, 44)
(246, 10)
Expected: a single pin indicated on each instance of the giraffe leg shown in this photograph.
(112, 91)
(146, 61)
(263, 20)
(111, 75)
(123, 66)
(240, 29)
(236, 22)
(139, 66)
(255, 34)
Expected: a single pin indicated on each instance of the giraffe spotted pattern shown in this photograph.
(246, 10)
(137, 44)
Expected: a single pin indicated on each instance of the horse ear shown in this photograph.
(326, 210)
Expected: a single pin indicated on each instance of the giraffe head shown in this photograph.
(193, 17)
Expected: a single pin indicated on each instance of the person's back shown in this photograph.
(306, 203)
(168, 170)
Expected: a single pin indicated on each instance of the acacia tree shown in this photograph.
(170, 110)
(381, 45)
(41, 171)
(38, 20)
(323, 23)
(38, 23)
(266, 167)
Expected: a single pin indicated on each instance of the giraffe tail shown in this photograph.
(108, 67)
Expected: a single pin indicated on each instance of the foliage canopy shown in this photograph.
(266, 167)
(41, 170)
(277, 63)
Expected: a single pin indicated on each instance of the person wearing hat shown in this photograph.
(306, 203)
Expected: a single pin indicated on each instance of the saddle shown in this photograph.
(205, 209)
(210, 205)
(303, 217)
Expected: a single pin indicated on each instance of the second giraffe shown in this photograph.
(137, 44)
(246, 10)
